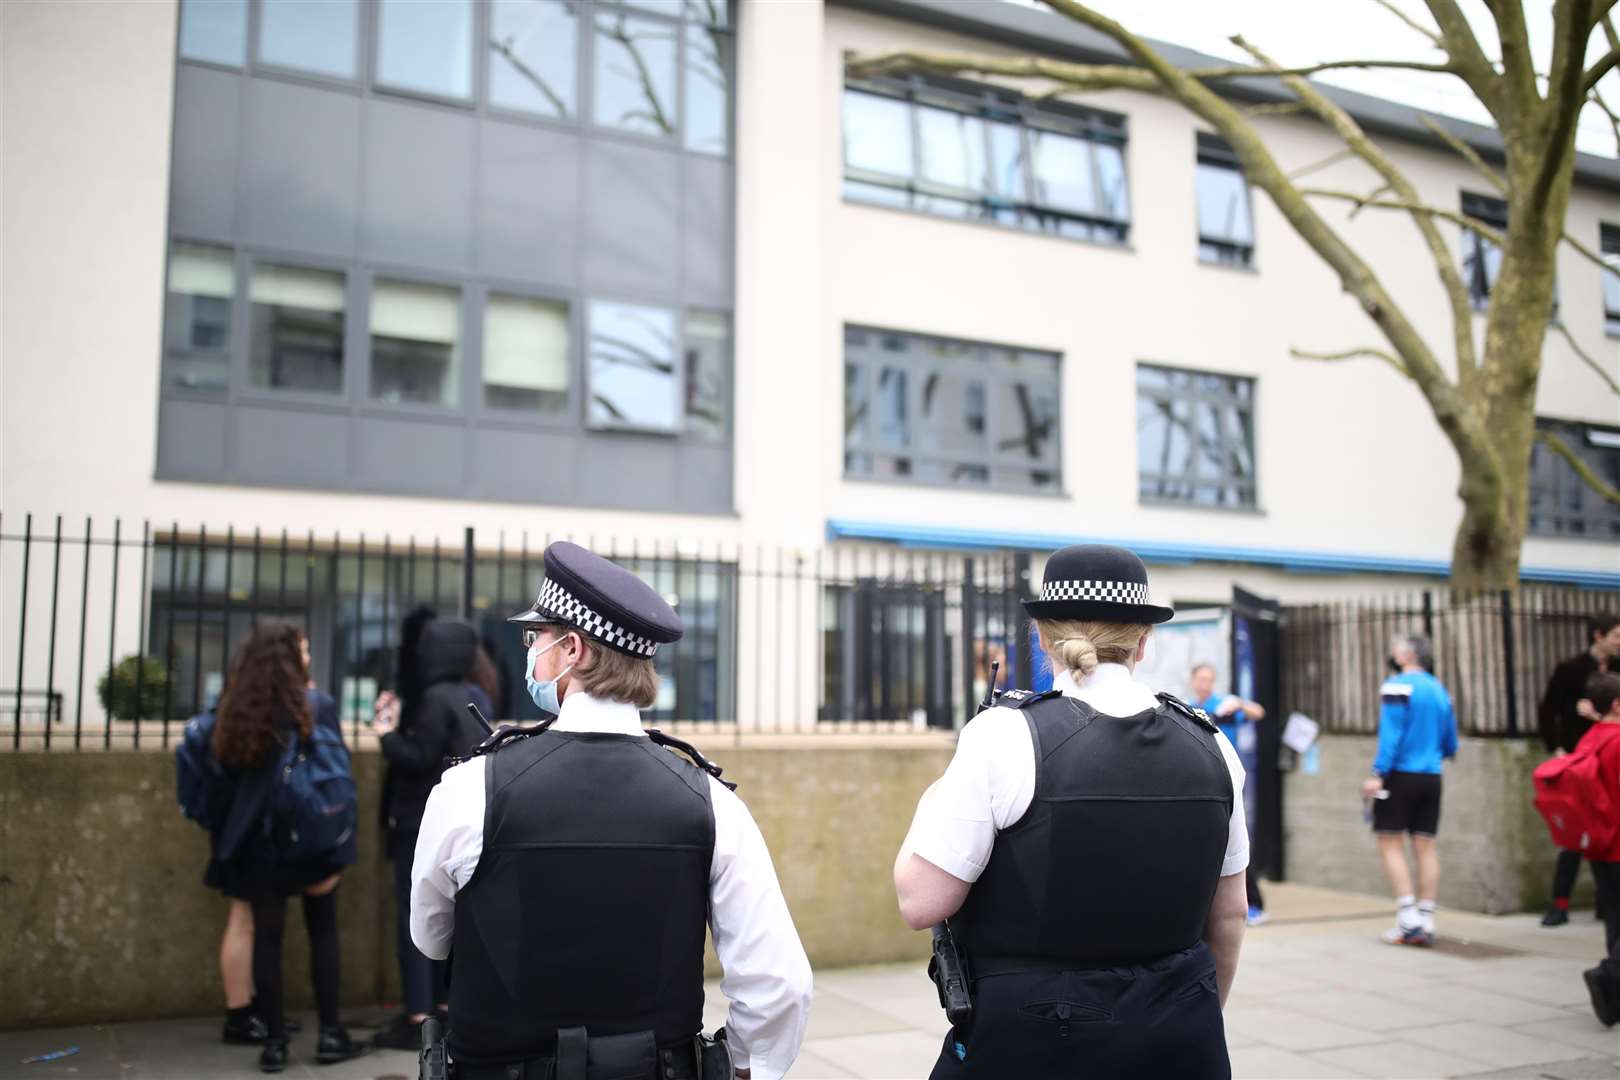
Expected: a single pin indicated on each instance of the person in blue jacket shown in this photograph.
(1417, 731)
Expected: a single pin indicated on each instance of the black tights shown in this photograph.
(269, 927)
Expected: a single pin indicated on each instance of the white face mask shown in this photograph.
(544, 693)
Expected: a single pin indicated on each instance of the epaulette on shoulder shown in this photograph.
(696, 756)
(1196, 715)
(506, 736)
(1023, 699)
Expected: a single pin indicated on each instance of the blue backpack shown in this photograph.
(200, 783)
(314, 808)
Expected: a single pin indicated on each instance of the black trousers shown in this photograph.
(1565, 871)
(1608, 883)
(1161, 1019)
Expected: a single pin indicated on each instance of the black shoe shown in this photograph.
(249, 1031)
(1602, 1004)
(335, 1045)
(402, 1033)
(273, 1058)
(1555, 916)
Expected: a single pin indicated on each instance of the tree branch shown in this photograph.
(1331, 159)
(1276, 108)
(1472, 65)
(1614, 118)
(1608, 60)
(1587, 253)
(1354, 354)
(1495, 236)
(1566, 94)
(1582, 469)
(1587, 357)
(1432, 35)
(1078, 77)
(1468, 153)
(1518, 66)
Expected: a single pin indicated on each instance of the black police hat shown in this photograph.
(1096, 581)
(603, 601)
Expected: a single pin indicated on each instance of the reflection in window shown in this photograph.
(635, 74)
(633, 378)
(297, 329)
(708, 64)
(1563, 504)
(1482, 258)
(1225, 229)
(708, 373)
(197, 321)
(1609, 238)
(1195, 437)
(310, 35)
(214, 30)
(877, 134)
(426, 45)
(953, 148)
(942, 411)
(533, 65)
(525, 354)
(415, 329)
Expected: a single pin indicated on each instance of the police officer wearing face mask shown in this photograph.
(569, 870)
(1087, 849)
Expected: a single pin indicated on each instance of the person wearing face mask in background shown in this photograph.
(572, 866)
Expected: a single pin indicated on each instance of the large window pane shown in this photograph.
(1027, 421)
(1223, 206)
(952, 148)
(197, 321)
(310, 35)
(426, 45)
(1561, 501)
(214, 30)
(708, 373)
(525, 354)
(708, 89)
(1113, 198)
(1007, 161)
(415, 334)
(1063, 178)
(633, 377)
(533, 56)
(877, 134)
(1195, 438)
(635, 74)
(297, 329)
(1609, 239)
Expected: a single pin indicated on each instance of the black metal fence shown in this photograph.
(1493, 650)
(120, 632)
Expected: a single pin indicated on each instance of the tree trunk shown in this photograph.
(1485, 554)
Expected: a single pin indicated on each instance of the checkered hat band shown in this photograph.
(558, 601)
(1112, 592)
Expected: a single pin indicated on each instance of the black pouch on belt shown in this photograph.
(715, 1055)
(606, 1057)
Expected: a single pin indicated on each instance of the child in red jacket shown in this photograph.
(1603, 981)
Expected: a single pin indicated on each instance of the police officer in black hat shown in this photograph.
(1087, 849)
(570, 871)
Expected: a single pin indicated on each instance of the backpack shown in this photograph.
(314, 807)
(1572, 799)
(200, 783)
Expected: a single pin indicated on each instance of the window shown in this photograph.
(197, 321)
(1609, 239)
(533, 56)
(214, 30)
(297, 329)
(1195, 438)
(707, 65)
(525, 354)
(976, 153)
(949, 412)
(310, 35)
(1225, 222)
(708, 374)
(426, 45)
(635, 73)
(634, 381)
(415, 330)
(1563, 504)
(1482, 258)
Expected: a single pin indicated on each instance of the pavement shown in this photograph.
(1317, 995)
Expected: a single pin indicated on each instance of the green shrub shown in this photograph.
(117, 692)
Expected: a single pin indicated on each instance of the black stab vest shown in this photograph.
(590, 900)
(1117, 858)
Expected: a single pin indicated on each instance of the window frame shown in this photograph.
(678, 358)
(1489, 211)
(248, 392)
(1211, 151)
(365, 25)
(570, 416)
(1597, 511)
(235, 341)
(1253, 506)
(1609, 249)
(365, 403)
(477, 45)
(995, 378)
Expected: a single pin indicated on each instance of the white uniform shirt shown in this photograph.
(991, 780)
(767, 975)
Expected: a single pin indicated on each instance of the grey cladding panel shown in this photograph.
(631, 232)
(409, 455)
(287, 446)
(191, 440)
(528, 207)
(708, 246)
(206, 120)
(633, 472)
(418, 186)
(301, 161)
(705, 479)
(524, 466)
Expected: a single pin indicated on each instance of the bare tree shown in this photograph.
(1487, 408)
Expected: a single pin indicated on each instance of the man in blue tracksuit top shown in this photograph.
(1417, 730)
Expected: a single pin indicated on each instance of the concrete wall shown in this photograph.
(1495, 855)
(103, 914)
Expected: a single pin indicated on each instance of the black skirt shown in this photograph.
(251, 879)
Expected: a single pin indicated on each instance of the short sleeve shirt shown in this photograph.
(990, 782)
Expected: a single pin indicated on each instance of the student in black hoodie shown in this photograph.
(416, 742)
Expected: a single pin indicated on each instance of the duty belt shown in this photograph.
(678, 1062)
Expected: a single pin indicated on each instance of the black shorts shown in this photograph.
(1413, 805)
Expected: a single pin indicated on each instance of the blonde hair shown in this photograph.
(1080, 645)
(617, 676)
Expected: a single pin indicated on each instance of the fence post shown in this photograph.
(1509, 663)
(22, 633)
(467, 572)
(968, 660)
(1020, 633)
(1428, 616)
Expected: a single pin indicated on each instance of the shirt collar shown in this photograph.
(1105, 676)
(583, 713)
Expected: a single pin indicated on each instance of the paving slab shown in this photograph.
(1582, 1031)
(1270, 1063)
(1583, 1069)
(1495, 1045)
(1290, 1029)
(1396, 1058)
